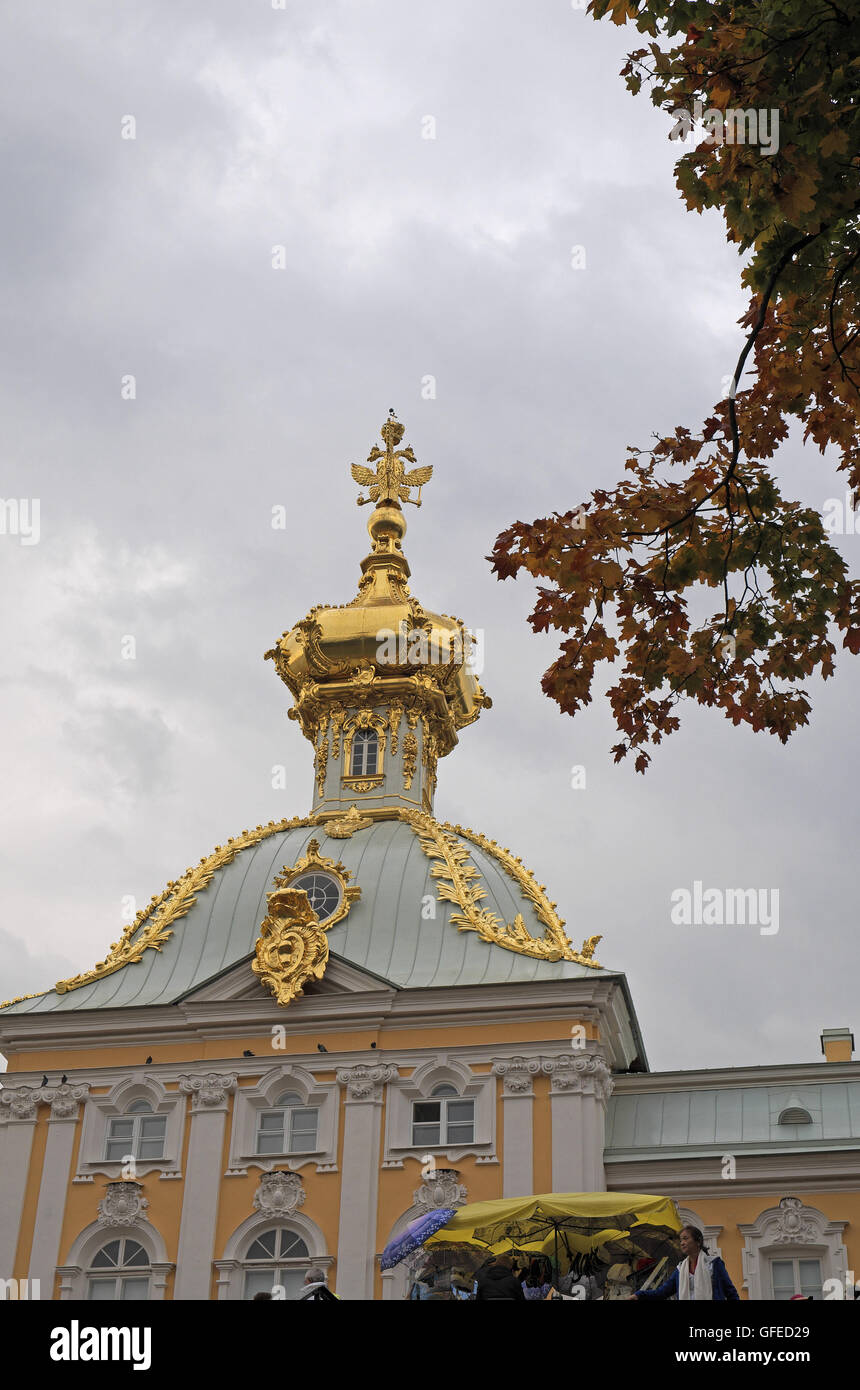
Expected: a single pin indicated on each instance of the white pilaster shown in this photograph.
(517, 1075)
(581, 1086)
(360, 1183)
(202, 1183)
(18, 1113)
(64, 1101)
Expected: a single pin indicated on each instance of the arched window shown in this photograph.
(276, 1257)
(444, 1119)
(138, 1132)
(365, 753)
(290, 1127)
(119, 1271)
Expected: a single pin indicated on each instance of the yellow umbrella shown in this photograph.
(586, 1220)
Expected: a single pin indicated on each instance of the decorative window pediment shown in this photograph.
(135, 1129)
(288, 1116)
(444, 1109)
(784, 1235)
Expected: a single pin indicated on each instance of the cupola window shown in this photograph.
(324, 893)
(443, 1119)
(365, 753)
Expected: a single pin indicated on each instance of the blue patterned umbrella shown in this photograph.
(415, 1234)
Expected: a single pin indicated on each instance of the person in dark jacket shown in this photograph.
(315, 1289)
(497, 1280)
(699, 1275)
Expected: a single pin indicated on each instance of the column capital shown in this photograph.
(208, 1092)
(584, 1072)
(517, 1074)
(65, 1099)
(365, 1083)
(20, 1102)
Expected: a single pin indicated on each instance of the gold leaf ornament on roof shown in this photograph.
(390, 481)
(344, 827)
(153, 925)
(292, 947)
(459, 882)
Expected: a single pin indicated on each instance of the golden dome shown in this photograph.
(383, 645)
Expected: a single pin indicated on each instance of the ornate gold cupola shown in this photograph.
(381, 685)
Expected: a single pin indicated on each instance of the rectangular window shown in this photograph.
(119, 1142)
(809, 1277)
(303, 1131)
(134, 1290)
(151, 1144)
(790, 1277)
(270, 1136)
(460, 1128)
(365, 753)
(426, 1122)
(102, 1290)
(782, 1272)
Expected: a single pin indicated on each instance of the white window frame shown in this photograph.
(75, 1273)
(443, 1121)
(119, 1273)
(479, 1087)
(99, 1110)
(787, 1257)
(287, 1111)
(286, 1264)
(133, 1144)
(232, 1267)
(250, 1101)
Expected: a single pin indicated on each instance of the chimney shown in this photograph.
(837, 1044)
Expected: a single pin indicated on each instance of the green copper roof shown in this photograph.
(389, 931)
(731, 1118)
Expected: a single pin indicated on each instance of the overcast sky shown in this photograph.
(405, 257)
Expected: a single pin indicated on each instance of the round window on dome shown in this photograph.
(324, 893)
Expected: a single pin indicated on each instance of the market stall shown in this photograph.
(582, 1244)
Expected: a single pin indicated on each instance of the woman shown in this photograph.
(699, 1275)
(536, 1285)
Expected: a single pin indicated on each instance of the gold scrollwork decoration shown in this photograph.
(152, 926)
(395, 714)
(363, 784)
(459, 883)
(344, 827)
(322, 756)
(19, 998)
(337, 714)
(292, 947)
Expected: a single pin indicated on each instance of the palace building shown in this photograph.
(338, 1021)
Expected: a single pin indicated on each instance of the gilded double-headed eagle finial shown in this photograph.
(391, 482)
